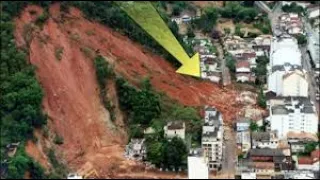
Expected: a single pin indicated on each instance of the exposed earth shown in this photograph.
(62, 51)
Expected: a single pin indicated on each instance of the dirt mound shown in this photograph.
(62, 52)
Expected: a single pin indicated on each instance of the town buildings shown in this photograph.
(175, 129)
(292, 114)
(136, 149)
(212, 138)
(197, 165)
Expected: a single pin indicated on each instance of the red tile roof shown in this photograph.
(241, 64)
(305, 160)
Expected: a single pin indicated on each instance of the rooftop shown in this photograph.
(266, 152)
(173, 125)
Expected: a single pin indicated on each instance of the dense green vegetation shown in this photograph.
(207, 20)
(146, 108)
(21, 97)
(237, 12)
(142, 104)
(109, 13)
(302, 39)
(262, 101)
(293, 8)
(263, 24)
(103, 72)
(261, 69)
(167, 153)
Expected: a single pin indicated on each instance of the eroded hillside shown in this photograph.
(62, 49)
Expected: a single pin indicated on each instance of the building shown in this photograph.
(296, 114)
(261, 45)
(288, 80)
(243, 72)
(244, 141)
(175, 129)
(280, 157)
(74, 176)
(313, 47)
(265, 140)
(297, 141)
(298, 174)
(243, 125)
(12, 149)
(248, 175)
(235, 45)
(197, 165)
(212, 137)
(284, 50)
(136, 149)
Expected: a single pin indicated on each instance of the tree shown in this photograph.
(309, 147)
(175, 153)
(190, 32)
(254, 126)
(302, 39)
(262, 102)
(230, 62)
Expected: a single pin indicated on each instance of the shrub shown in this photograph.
(58, 140)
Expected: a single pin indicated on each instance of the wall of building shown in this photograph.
(295, 85)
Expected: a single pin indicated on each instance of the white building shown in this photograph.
(197, 165)
(288, 80)
(292, 114)
(244, 141)
(212, 137)
(285, 50)
(265, 140)
(313, 12)
(175, 129)
(248, 175)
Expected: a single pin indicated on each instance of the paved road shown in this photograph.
(226, 79)
(311, 77)
(229, 157)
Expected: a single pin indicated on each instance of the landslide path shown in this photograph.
(62, 50)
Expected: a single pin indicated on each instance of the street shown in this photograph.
(229, 153)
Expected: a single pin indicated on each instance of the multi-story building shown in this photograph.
(197, 165)
(288, 80)
(292, 114)
(212, 138)
(284, 50)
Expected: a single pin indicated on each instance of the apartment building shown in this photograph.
(212, 138)
(292, 114)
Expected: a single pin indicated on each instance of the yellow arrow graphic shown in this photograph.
(147, 17)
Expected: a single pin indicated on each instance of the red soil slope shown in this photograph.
(71, 91)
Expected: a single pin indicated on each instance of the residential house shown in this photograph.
(248, 175)
(212, 137)
(136, 149)
(243, 72)
(247, 55)
(296, 114)
(261, 45)
(311, 162)
(175, 129)
(298, 141)
(197, 165)
(243, 125)
(280, 157)
(235, 45)
(265, 140)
